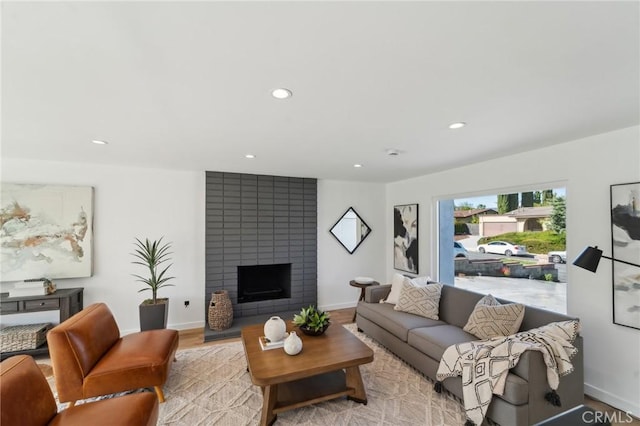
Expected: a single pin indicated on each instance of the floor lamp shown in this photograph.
(590, 258)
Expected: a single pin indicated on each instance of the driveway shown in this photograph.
(471, 242)
(541, 294)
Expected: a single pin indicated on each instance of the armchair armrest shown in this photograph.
(375, 293)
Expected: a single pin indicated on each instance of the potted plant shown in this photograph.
(151, 255)
(312, 321)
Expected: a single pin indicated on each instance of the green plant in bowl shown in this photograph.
(312, 321)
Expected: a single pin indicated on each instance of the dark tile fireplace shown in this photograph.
(264, 282)
(261, 246)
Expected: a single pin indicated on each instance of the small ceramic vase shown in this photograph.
(275, 329)
(292, 344)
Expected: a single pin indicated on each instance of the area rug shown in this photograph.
(210, 386)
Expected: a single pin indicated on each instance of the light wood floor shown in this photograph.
(195, 338)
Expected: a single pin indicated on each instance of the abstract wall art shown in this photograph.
(625, 241)
(46, 231)
(405, 238)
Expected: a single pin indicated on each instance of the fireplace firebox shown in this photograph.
(264, 282)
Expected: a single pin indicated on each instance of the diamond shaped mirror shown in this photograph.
(350, 230)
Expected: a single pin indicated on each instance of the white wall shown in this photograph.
(586, 167)
(130, 203)
(336, 267)
(137, 202)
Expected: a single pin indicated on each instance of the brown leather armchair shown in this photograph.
(90, 358)
(26, 399)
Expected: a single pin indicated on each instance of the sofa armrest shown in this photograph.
(532, 368)
(375, 293)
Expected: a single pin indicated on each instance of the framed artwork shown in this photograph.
(625, 243)
(46, 231)
(405, 238)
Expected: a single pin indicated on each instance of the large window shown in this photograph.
(510, 245)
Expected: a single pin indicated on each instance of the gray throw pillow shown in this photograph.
(423, 301)
(490, 319)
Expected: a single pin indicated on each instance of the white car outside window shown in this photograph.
(502, 247)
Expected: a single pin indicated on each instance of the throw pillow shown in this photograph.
(490, 319)
(397, 282)
(423, 301)
(421, 281)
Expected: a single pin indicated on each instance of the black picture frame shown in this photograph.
(405, 238)
(625, 243)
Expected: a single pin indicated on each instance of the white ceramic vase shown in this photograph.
(292, 344)
(275, 329)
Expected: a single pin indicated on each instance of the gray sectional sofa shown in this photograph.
(421, 342)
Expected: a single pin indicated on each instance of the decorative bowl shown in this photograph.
(363, 280)
(312, 332)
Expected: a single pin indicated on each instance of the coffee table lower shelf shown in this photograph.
(311, 390)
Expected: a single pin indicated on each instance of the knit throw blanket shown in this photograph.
(484, 365)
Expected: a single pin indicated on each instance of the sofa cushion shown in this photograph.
(491, 319)
(516, 389)
(433, 341)
(423, 301)
(456, 304)
(395, 322)
(397, 282)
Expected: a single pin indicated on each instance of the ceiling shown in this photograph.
(187, 85)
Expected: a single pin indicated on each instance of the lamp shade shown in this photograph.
(589, 258)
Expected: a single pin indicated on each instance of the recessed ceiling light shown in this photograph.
(98, 142)
(357, 166)
(281, 93)
(249, 156)
(458, 125)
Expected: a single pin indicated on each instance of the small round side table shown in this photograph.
(362, 288)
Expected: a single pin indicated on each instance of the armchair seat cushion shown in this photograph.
(137, 360)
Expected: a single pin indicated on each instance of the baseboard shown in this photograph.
(611, 399)
(187, 325)
(338, 306)
(181, 326)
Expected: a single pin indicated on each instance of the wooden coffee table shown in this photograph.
(327, 368)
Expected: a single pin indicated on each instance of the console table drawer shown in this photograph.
(41, 304)
(8, 307)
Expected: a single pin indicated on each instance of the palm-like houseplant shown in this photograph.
(153, 255)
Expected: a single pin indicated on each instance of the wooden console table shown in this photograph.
(67, 300)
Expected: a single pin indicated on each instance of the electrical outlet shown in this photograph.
(186, 303)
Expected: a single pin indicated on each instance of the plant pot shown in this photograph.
(312, 332)
(154, 317)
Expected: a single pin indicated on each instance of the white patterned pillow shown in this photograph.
(397, 282)
(423, 301)
(420, 281)
(490, 319)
